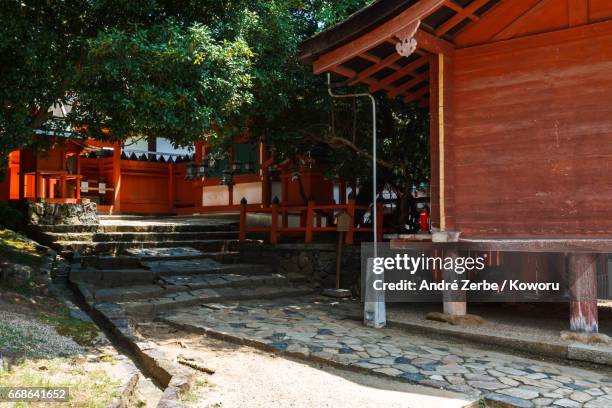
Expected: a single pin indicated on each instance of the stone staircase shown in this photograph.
(116, 235)
(147, 266)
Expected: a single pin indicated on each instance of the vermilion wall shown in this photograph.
(532, 135)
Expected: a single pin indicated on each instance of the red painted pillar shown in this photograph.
(22, 187)
(583, 293)
(351, 230)
(309, 221)
(171, 187)
(380, 208)
(243, 219)
(37, 185)
(274, 224)
(117, 177)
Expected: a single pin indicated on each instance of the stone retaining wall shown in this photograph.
(62, 214)
(314, 262)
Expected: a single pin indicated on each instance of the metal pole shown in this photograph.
(374, 314)
(374, 175)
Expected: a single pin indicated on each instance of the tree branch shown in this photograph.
(340, 142)
(41, 117)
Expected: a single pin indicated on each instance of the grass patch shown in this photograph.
(14, 248)
(87, 388)
(194, 393)
(83, 333)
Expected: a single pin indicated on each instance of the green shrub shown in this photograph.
(10, 217)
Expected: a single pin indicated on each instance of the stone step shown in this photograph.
(139, 228)
(141, 236)
(113, 248)
(134, 276)
(134, 261)
(152, 306)
(204, 267)
(176, 284)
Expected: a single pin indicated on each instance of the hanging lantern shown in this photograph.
(226, 178)
(202, 169)
(248, 167)
(190, 171)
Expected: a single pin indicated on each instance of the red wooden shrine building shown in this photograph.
(520, 100)
(153, 178)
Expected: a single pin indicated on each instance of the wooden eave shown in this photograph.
(362, 48)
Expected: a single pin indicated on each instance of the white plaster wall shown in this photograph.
(250, 191)
(215, 195)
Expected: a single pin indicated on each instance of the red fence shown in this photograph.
(311, 220)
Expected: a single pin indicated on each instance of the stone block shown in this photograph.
(505, 401)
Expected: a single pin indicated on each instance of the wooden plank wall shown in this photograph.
(533, 135)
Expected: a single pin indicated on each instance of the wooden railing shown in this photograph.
(311, 220)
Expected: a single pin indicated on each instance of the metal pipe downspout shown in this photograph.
(368, 95)
(374, 313)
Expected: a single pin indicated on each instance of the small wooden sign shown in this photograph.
(343, 221)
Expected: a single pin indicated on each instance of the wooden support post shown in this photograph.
(309, 221)
(339, 258)
(243, 219)
(274, 224)
(116, 207)
(37, 181)
(583, 292)
(78, 178)
(264, 155)
(171, 187)
(63, 192)
(454, 301)
(351, 230)
(379, 221)
(22, 192)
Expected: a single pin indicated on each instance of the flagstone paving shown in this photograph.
(316, 328)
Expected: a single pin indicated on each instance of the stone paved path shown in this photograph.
(313, 327)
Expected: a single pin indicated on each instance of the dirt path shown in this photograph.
(246, 377)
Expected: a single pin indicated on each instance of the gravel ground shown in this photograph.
(24, 335)
(248, 378)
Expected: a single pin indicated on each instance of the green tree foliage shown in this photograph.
(188, 69)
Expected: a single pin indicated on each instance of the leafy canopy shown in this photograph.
(188, 69)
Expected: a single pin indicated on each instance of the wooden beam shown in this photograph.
(460, 16)
(349, 73)
(373, 58)
(416, 95)
(433, 44)
(376, 36)
(494, 21)
(455, 7)
(578, 12)
(408, 84)
(407, 70)
(384, 63)
(515, 27)
(464, 11)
